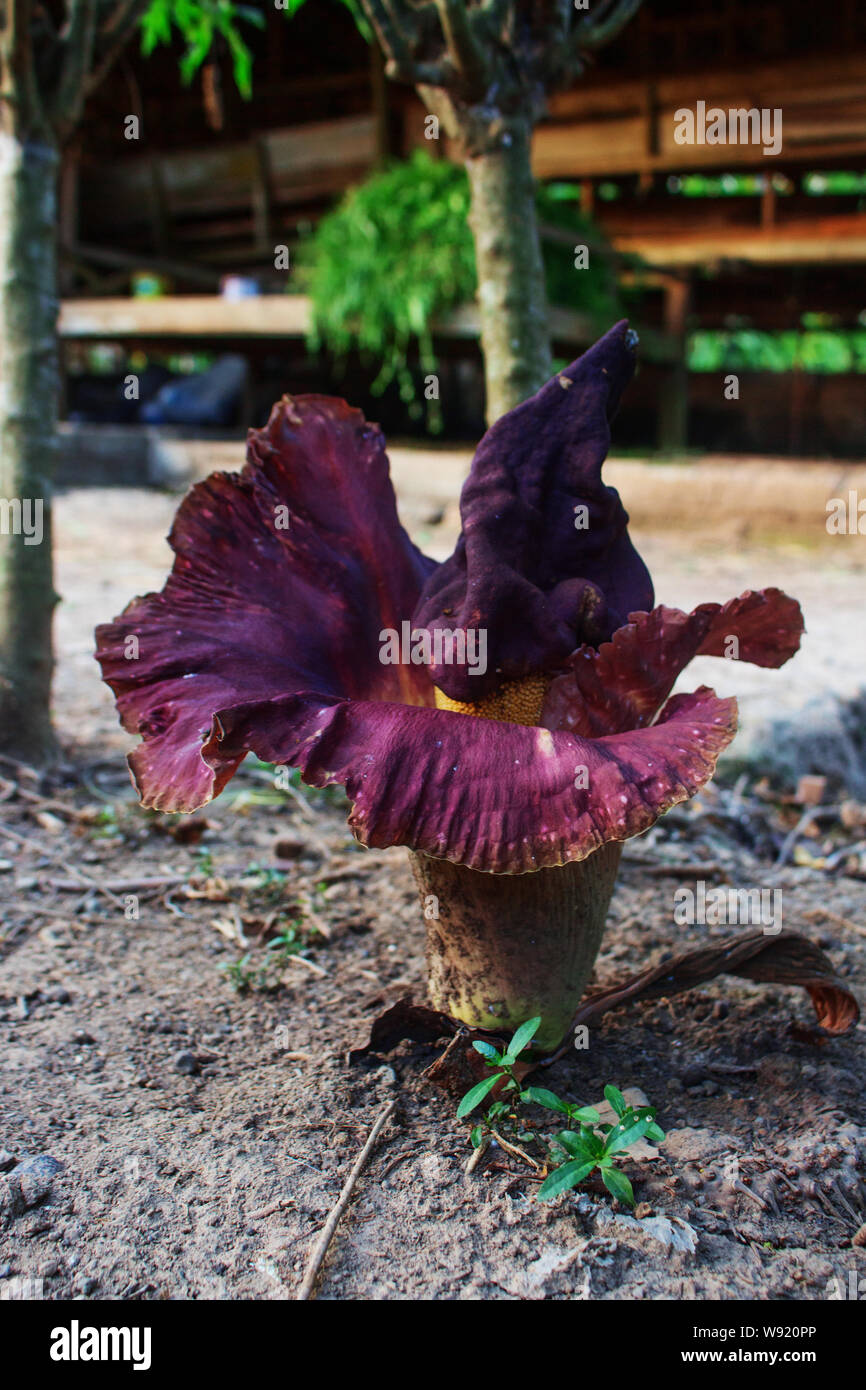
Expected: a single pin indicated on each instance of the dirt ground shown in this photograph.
(177, 1114)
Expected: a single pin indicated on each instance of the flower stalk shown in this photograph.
(504, 948)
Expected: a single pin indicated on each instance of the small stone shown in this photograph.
(186, 1063)
(57, 995)
(688, 1144)
(5, 1270)
(286, 848)
(35, 1176)
(694, 1075)
(87, 1286)
(810, 790)
(82, 1037)
(672, 1234)
(10, 1199)
(384, 1076)
(7, 1160)
(859, 1237)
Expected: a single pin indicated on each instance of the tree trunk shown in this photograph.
(515, 337)
(503, 948)
(28, 415)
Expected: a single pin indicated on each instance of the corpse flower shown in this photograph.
(513, 780)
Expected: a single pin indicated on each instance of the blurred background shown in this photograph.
(290, 136)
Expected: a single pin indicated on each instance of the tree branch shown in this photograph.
(556, 17)
(594, 32)
(19, 92)
(77, 39)
(394, 26)
(467, 55)
(115, 33)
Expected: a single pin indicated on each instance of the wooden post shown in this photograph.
(798, 390)
(381, 110)
(67, 214)
(674, 398)
(261, 199)
(158, 207)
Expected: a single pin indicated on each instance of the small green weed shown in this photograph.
(573, 1153)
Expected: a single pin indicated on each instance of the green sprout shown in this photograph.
(589, 1143)
(203, 862)
(267, 972)
(502, 1064)
(595, 1144)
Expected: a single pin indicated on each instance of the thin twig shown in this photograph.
(818, 913)
(811, 814)
(476, 1156)
(58, 855)
(310, 964)
(513, 1149)
(314, 1264)
(672, 870)
(747, 1191)
(119, 885)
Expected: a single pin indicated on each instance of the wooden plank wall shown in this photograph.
(627, 127)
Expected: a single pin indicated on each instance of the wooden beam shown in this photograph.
(195, 182)
(836, 77)
(190, 316)
(841, 239)
(628, 126)
(261, 200)
(202, 316)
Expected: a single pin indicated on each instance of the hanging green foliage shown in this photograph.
(396, 254)
(199, 23)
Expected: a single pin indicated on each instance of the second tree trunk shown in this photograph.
(515, 337)
(28, 409)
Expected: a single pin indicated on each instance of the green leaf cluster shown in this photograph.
(396, 254)
(200, 23)
(588, 1143)
(828, 351)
